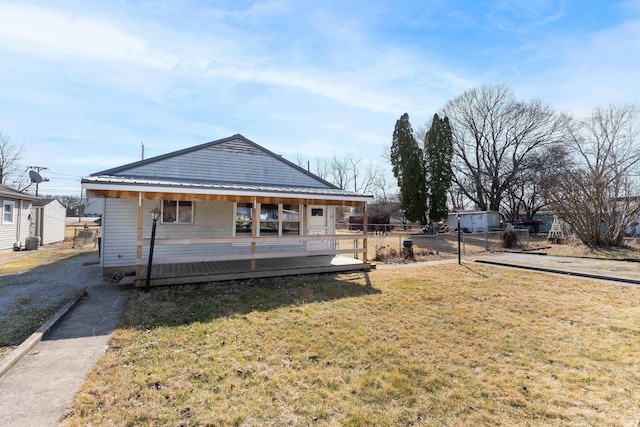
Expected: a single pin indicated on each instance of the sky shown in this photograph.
(84, 84)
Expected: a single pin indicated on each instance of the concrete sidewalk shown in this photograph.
(42, 385)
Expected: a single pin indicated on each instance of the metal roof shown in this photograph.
(109, 182)
(13, 194)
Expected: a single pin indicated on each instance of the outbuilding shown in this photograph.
(48, 217)
(475, 221)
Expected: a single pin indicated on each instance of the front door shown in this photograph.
(317, 224)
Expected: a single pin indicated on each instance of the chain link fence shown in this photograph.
(446, 243)
(85, 236)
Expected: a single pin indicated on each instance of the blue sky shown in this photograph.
(84, 83)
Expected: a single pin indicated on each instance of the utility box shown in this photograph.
(32, 243)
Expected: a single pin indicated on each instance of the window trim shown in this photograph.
(177, 216)
(279, 221)
(6, 203)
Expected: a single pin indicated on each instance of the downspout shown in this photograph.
(18, 243)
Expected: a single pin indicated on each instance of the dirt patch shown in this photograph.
(390, 255)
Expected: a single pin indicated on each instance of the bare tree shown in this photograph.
(10, 155)
(493, 136)
(597, 193)
(321, 167)
(346, 172)
(339, 172)
(526, 197)
(69, 202)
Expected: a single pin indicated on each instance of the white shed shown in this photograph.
(476, 221)
(48, 220)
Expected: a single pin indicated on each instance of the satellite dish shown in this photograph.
(35, 177)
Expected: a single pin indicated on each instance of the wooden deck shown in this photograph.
(199, 272)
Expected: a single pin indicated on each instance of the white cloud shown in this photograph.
(371, 80)
(522, 15)
(45, 32)
(598, 70)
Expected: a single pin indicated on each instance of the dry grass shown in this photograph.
(577, 249)
(420, 345)
(14, 264)
(25, 261)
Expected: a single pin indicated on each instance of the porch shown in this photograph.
(250, 257)
(218, 271)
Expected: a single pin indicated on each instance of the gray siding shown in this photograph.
(210, 219)
(119, 232)
(230, 162)
(19, 230)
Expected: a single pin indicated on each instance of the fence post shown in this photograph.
(355, 244)
(464, 244)
(437, 250)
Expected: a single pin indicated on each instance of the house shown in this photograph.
(15, 219)
(48, 219)
(228, 209)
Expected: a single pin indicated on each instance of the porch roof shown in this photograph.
(107, 183)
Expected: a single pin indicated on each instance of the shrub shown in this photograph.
(509, 238)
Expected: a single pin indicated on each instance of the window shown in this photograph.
(275, 219)
(244, 212)
(7, 211)
(269, 223)
(290, 219)
(177, 212)
(317, 212)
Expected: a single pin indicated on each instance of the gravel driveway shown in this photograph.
(31, 297)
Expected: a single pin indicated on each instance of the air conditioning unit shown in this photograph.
(32, 243)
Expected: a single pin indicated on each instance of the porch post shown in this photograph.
(255, 223)
(139, 245)
(365, 230)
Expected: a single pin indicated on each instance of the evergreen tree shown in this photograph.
(438, 151)
(408, 168)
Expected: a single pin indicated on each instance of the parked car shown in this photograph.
(428, 229)
(463, 229)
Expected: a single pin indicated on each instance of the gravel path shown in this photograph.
(33, 295)
(612, 268)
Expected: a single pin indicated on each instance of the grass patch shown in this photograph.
(27, 261)
(27, 315)
(452, 345)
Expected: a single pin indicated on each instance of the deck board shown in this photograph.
(199, 272)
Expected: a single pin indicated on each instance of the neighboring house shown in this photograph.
(228, 200)
(15, 219)
(48, 219)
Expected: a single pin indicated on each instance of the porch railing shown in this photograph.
(252, 244)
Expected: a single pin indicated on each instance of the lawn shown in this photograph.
(419, 345)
